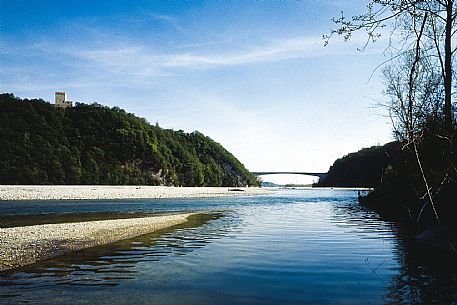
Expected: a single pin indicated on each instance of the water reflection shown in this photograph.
(109, 265)
(295, 247)
(421, 275)
(425, 275)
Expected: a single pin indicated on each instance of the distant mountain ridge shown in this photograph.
(95, 144)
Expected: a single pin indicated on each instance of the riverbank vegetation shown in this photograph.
(95, 144)
(418, 181)
(364, 168)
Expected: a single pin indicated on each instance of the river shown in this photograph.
(312, 246)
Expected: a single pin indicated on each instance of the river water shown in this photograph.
(311, 246)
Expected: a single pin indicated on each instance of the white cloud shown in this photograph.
(276, 51)
(173, 22)
(141, 60)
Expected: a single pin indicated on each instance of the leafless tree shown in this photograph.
(422, 31)
(419, 71)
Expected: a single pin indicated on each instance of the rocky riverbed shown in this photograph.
(20, 246)
(96, 192)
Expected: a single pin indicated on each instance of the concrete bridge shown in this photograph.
(320, 175)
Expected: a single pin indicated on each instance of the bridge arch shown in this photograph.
(319, 175)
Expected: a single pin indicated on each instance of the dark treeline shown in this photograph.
(398, 181)
(420, 182)
(365, 168)
(420, 185)
(95, 144)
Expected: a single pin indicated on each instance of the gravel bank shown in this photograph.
(95, 192)
(20, 246)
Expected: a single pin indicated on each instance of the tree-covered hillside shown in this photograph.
(94, 144)
(365, 168)
(421, 185)
(394, 172)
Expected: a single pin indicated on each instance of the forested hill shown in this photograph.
(365, 168)
(94, 144)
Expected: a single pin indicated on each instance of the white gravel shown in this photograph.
(25, 245)
(95, 192)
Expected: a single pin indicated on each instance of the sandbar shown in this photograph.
(21, 246)
(102, 192)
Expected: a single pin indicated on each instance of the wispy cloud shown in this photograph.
(275, 51)
(171, 21)
(141, 60)
(136, 63)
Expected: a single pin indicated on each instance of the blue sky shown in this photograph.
(252, 75)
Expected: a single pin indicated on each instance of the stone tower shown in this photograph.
(61, 100)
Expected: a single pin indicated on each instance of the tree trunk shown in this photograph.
(448, 119)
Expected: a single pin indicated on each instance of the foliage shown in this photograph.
(403, 192)
(394, 173)
(93, 144)
(423, 185)
(365, 168)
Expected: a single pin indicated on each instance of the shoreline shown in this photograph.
(102, 192)
(22, 246)
(338, 188)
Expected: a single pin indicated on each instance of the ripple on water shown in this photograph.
(295, 247)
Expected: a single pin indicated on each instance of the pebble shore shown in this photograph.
(21, 246)
(101, 192)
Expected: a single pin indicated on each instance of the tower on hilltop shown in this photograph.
(61, 100)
